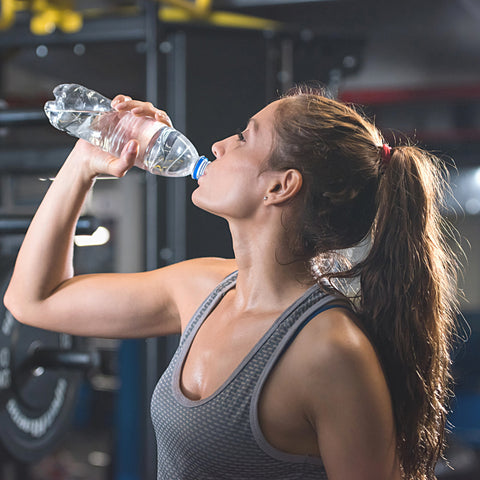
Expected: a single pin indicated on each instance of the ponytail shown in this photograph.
(356, 187)
(408, 306)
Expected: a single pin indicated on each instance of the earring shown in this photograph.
(265, 198)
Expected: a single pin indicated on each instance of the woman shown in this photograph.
(278, 375)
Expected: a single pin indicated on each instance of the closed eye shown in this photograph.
(240, 136)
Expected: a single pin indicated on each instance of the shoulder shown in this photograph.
(339, 361)
(335, 331)
(345, 397)
(191, 281)
(206, 273)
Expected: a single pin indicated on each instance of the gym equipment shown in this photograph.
(18, 224)
(40, 372)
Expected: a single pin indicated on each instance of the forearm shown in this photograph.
(45, 258)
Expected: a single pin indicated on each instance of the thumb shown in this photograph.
(118, 167)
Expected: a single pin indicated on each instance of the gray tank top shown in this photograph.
(219, 437)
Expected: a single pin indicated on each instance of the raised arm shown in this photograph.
(44, 292)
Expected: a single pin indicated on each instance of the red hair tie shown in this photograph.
(385, 154)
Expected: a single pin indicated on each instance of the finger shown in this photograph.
(149, 110)
(131, 149)
(142, 108)
(162, 116)
(145, 109)
(119, 99)
(124, 104)
(118, 167)
(129, 153)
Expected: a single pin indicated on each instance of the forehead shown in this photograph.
(267, 113)
(263, 122)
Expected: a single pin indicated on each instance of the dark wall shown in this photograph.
(226, 85)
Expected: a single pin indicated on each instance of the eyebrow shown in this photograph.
(254, 123)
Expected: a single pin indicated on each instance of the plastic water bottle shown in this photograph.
(86, 114)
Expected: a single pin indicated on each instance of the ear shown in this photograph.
(285, 186)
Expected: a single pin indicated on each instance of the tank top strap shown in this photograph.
(279, 344)
(319, 302)
(207, 306)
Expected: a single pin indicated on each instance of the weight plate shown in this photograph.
(36, 404)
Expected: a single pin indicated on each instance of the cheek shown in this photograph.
(235, 199)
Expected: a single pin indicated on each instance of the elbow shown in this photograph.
(14, 305)
(24, 309)
(8, 301)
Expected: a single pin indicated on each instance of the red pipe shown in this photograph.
(405, 95)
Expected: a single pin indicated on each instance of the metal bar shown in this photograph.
(152, 345)
(176, 207)
(22, 117)
(390, 96)
(176, 105)
(130, 418)
(185, 5)
(18, 224)
(58, 358)
(93, 31)
(265, 3)
(151, 187)
(286, 73)
(271, 68)
(131, 28)
(25, 160)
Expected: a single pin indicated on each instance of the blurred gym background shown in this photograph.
(413, 65)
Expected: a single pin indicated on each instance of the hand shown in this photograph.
(97, 162)
(123, 103)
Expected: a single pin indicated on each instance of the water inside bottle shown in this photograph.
(86, 124)
(170, 154)
(63, 119)
(109, 130)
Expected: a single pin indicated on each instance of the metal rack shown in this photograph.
(147, 26)
(153, 354)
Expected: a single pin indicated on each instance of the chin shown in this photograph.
(195, 199)
(200, 202)
(207, 205)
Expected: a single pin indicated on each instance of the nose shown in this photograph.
(218, 148)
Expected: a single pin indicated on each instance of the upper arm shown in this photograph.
(350, 406)
(125, 305)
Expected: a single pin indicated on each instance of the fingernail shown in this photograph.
(132, 147)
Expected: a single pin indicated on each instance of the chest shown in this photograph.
(220, 347)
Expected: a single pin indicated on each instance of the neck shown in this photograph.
(269, 277)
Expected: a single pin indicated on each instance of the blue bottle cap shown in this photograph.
(200, 167)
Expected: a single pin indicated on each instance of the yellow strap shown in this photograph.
(51, 14)
(48, 15)
(203, 5)
(186, 11)
(7, 13)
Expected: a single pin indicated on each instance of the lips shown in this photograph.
(205, 171)
(200, 179)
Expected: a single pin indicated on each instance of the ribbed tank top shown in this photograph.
(219, 437)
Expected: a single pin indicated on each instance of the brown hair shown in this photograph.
(407, 298)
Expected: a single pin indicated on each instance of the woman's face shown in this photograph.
(235, 184)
